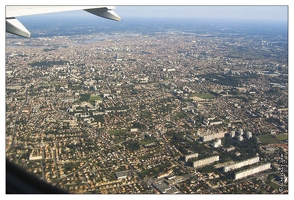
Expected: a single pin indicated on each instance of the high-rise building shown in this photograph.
(248, 134)
(217, 143)
(240, 138)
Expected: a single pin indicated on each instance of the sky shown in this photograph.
(248, 10)
(273, 13)
(242, 12)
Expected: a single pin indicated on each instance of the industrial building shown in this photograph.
(164, 188)
(123, 174)
(187, 157)
(205, 161)
(241, 164)
(252, 170)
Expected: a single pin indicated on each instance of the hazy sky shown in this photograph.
(272, 13)
(224, 12)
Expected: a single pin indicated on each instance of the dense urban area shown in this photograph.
(168, 112)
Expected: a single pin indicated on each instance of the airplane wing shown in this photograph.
(15, 27)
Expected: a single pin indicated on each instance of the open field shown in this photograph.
(282, 137)
(115, 132)
(94, 97)
(202, 96)
(268, 139)
(274, 185)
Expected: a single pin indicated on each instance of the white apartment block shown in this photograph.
(205, 161)
(241, 164)
(252, 170)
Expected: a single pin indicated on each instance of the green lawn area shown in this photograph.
(118, 140)
(203, 95)
(273, 185)
(114, 132)
(44, 85)
(268, 139)
(282, 137)
(147, 141)
(94, 97)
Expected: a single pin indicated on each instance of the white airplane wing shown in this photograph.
(15, 27)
